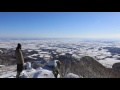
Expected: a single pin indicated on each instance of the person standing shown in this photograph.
(19, 60)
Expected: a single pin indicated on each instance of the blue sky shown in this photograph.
(60, 24)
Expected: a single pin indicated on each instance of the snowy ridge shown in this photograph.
(36, 73)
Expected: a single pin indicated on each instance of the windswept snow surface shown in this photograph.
(43, 74)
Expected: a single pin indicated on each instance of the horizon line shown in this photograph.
(28, 38)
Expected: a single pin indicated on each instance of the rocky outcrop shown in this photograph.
(116, 66)
(87, 67)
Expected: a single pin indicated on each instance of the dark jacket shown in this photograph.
(19, 56)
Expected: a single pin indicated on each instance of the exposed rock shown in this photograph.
(116, 66)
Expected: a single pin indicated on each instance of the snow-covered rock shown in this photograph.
(1, 51)
(39, 72)
(27, 73)
(52, 63)
(2, 66)
(28, 66)
(43, 74)
(71, 75)
(38, 68)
